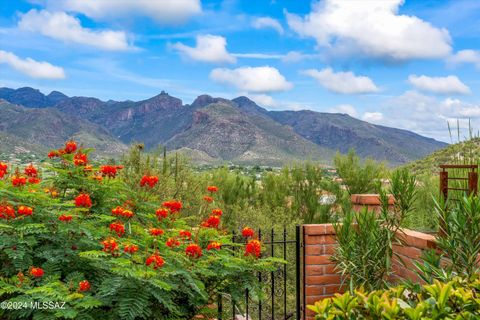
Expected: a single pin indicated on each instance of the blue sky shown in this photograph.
(411, 64)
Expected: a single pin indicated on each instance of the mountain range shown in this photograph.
(209, 130)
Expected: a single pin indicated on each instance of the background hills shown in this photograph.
(210, 130)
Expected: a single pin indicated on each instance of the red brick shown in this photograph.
(313, 250)
(410, 252)
(315, 239)
(323, 280)
(329, 249)
(369, 199)
(319, 259)
(314, 290)
(313, 229)
(417, 239)
(329, 269)
(315, 270)
(334, 289)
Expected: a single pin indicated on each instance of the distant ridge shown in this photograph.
(216, 129)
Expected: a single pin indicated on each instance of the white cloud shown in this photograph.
(345, 108)
(372, 116)
(342, 82)
(373, 28)
(163, 11)
(444, 85)
(61, 26)
(266, 101)
(252, 79)
(266, 56)
(267, 22)
(32, 68)
(208, 48)
(466, 56)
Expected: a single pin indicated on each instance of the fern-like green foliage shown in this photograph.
(120, 284)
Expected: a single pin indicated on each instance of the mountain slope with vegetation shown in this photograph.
(464, 152)
(244, 132)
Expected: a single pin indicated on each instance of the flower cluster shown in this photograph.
(248, 232)
(213, 221)
(25, 211)
(149, 181)
(110, 245)
(18, 180)
(130, 248)
(6, 212)
(214, 245)
(70, 147)
(156, 232)
(253, 248)
(83, 200)
(212, 189)
(122, 212)
(31, 171)
(193, 250)
(161, 213)
(185, 234)
(80, 159)
(173, 205)
(36, 272)
(118, 228)
(156, 259)
(65, 218)
(3, 169)
(83, 286)
(172, 242)
(110, 171)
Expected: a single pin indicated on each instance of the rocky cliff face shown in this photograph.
(237, 130)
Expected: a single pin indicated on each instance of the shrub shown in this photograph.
(456, 299)
(357, 176)
(107, 242)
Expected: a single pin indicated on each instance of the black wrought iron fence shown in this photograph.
(281, 296)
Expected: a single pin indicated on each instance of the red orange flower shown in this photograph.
(253, 248)
(7, 212)
(248, 232)
(65, 218)
(214, 245)
(80, 159)
(122, 212)
(110, 245)
(84, 285)
(109, 171)
(193, 250)
(172, 242)
(151, 181)
(33, 180)
(187, 235)
(208, 199)
(130, 248)
(118, 228)
(156, 259)
(31, 171)
(217, 212)
(25, 211)
(3, 169)
(173, 205)
(52, 154)
(212, 222)
(18, 181)
(212, 189)
(161, 213)
(83, 200)
(70, 146)
(156, 232)
(36, 272)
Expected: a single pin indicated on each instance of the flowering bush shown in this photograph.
(102, 240)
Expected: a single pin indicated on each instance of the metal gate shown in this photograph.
(281, 287)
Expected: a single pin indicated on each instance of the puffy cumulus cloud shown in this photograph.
(32, 68)
(428, 115)
(373, 28)
(61, 26)
(208, 48)
(443, 85)
(345, 108)
(342, 82)
(267, 23)
(162, 11)
(372, 116)
(466, 56)
(252, 79)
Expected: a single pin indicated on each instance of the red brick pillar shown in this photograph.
(320, 278)
(371, 201)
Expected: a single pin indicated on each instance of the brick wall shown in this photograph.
(321, 280)
(371, 201)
